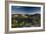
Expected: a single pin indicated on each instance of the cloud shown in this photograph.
(21, 9)
(16, 12)
(37, 12)
(22, 12)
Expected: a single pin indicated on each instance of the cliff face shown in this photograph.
(25, 20)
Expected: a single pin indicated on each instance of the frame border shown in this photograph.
(7, 16)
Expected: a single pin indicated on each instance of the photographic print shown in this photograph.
(23, 17)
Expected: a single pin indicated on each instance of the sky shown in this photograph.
(25, 10)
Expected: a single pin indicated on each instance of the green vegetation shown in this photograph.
(19, 20)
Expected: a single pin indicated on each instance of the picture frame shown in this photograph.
(8, 13)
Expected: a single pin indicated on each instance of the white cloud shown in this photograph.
(37, 12)
(20, 12)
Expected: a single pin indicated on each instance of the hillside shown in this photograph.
(25, 20)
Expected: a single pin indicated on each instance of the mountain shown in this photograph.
(29, 21)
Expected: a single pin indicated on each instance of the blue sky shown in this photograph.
(25, 10)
